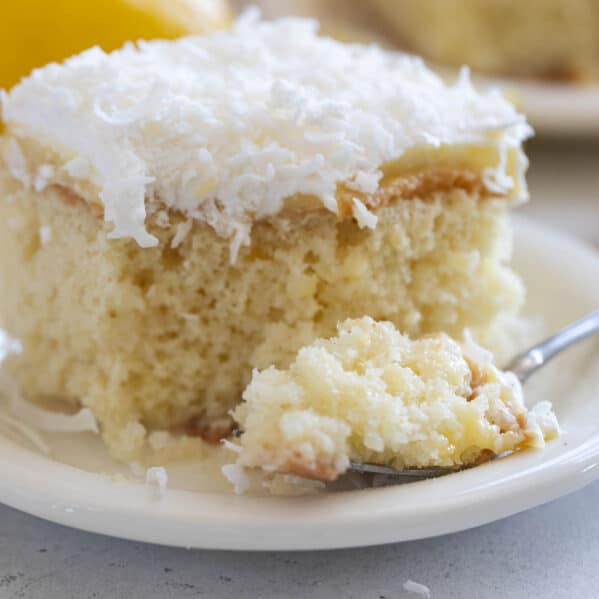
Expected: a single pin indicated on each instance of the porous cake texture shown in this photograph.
(178, 213)
(371, 395)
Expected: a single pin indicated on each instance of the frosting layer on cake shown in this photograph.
(225, 128)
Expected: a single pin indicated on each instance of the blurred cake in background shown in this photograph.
(35, 32)
(344, 20)
(542, 39)
(545, 39)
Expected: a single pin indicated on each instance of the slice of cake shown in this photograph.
(175, 214)
(372, 395)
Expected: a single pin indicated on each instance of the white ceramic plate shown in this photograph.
(563, 280)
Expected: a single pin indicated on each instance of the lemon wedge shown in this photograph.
(35, 32)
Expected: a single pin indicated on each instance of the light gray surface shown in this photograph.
(551, 552)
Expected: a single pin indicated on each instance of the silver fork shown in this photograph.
(523, 366)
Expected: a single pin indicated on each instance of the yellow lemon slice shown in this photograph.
(35, 32)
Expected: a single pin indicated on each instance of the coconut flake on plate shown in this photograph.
(158, 476)
(237, 476)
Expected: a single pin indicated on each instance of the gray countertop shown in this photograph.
(548, 552)
(551, 552)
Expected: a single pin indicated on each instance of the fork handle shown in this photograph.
(527, 363)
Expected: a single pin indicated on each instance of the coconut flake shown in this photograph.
(237, 476)
(8, 345)
(496, 178)
(477, 353)
(17, 165)
(417, 588)
(157, 475)
(45, 235)
(78, 168)
(43, 176)
(363, 216)
(231, 446)
(162, 219)
(181, 232)
(546, 420)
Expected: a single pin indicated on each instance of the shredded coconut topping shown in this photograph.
(363, 216)
(225, 127)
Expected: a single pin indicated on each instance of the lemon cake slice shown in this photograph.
(176, 213)
(372, 395)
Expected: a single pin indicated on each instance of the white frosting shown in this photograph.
(225, 127)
